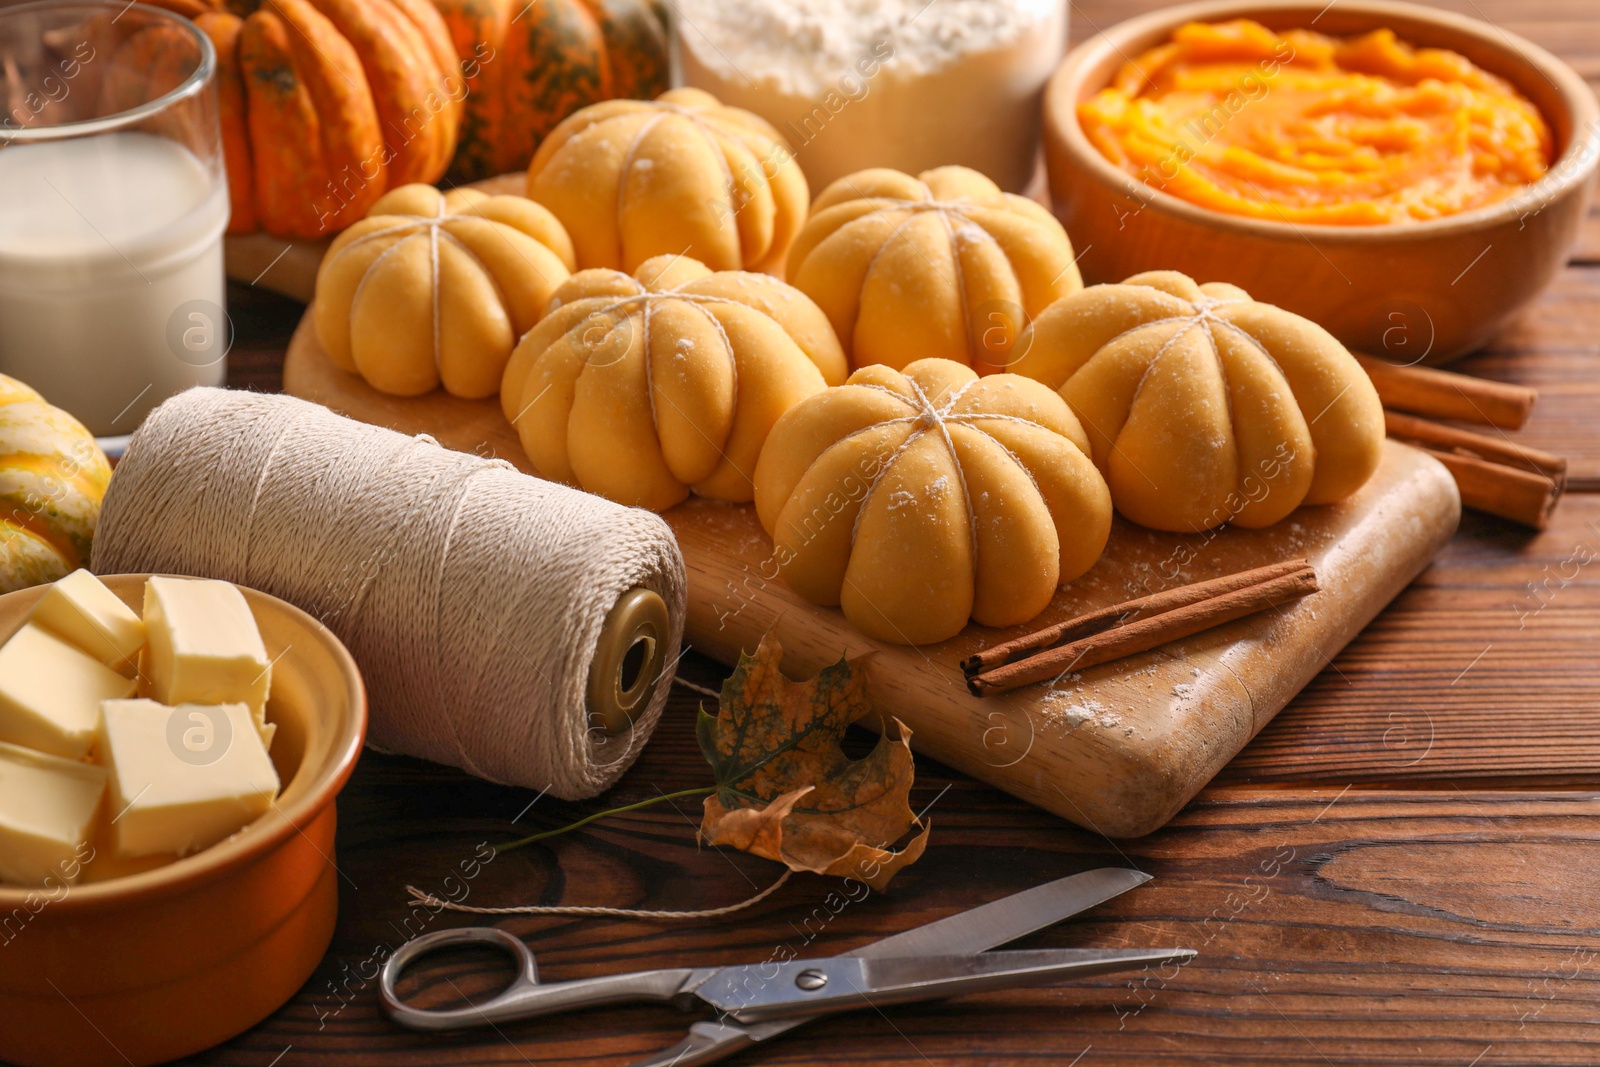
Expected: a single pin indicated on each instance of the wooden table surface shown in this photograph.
(1404, 868)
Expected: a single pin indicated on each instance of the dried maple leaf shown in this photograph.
(787, 791)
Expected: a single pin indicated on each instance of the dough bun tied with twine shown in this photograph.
(681, 174)
(943, 265)
(918, 499)
(1204, 406)
(645, 388)
(472, 596)
(435, 288)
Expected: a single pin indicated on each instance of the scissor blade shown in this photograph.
(976, 930)
(933, 975)
(1000, 921)
(845, 983)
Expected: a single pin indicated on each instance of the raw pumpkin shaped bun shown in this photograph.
(918, 499)
(437, 287)
(52, 476)
(644, 388)
(678, 175)
(1204, 406)
(943, 265)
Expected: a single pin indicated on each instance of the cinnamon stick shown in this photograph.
(1494, 449)
(1494, 475)
(1518, 495)
(1146, 633)
(1442, 394)
(1121, 614)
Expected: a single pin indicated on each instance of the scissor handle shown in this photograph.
(525, 997)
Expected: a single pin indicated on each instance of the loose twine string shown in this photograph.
(579, 911)
(418, 896)
(471, 595)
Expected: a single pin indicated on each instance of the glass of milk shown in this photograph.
(113, 201)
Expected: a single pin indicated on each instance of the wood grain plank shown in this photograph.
(1373, 926)
(262, 323)
(1484, 668)
(1586, 250)
(1560, 320)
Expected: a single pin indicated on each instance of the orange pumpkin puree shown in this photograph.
(1305, 128)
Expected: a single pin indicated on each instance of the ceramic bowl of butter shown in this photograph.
(136, 959)
(1404, 177)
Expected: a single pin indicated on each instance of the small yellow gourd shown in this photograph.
(52, 477)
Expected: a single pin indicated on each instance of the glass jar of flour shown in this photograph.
(113, 202)
(908, 84)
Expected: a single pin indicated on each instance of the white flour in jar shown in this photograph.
(909, 84)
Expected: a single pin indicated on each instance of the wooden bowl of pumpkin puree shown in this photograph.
(1406, 177)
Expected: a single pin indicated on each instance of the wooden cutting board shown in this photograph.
(1117, 748)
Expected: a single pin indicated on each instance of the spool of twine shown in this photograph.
(473, 597)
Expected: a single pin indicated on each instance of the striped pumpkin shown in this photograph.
(327, 104)
(52, 476)
(528, 66)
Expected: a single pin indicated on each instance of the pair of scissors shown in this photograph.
(755, 1002)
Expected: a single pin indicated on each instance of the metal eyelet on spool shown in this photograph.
(629, 661)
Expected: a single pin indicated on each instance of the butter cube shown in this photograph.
(203, 646)
(79, 609)
(182, 778)
(50, 693)
(47, 809)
